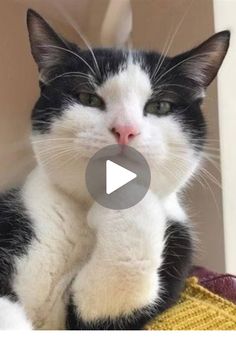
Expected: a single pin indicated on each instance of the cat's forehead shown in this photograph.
(130, 80)
(109, 62)
(122, 72)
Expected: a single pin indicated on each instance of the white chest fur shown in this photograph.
(63, 243)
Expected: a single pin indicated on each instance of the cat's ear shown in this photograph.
(202, 63)
(47, 47)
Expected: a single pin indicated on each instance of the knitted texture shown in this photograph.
(197, 309)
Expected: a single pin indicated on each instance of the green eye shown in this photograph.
(90, 100)
(158, 108)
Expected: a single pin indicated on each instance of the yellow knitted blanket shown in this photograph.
(197, 309)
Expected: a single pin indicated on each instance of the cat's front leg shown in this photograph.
(119, 286)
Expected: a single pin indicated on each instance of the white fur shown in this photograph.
(173, 209)
(12, 316)
(107, 258)
(63, 243)
(122, 274)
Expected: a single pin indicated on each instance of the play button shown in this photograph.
(118, 177)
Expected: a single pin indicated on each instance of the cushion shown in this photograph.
(197, 309)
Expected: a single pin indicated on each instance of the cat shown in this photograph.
(66, 262)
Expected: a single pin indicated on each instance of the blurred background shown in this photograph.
(148, 24)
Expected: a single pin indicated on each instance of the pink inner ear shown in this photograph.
(46, 45)
(203, 62)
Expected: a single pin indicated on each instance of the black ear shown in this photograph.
(202, 63)
(47, 47)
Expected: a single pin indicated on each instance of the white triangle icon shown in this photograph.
(117, 176)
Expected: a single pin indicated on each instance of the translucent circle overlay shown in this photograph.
(127, 195)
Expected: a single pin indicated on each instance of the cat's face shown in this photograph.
(91, 100)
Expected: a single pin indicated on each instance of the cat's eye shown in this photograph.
(90, 100)
(159, 108)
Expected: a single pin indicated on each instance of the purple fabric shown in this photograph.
(223, 285)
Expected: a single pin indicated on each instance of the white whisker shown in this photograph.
(73, 53)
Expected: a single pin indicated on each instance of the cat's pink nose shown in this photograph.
(125, 133)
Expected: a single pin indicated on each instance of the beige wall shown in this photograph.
(225, 17)
(153, 21)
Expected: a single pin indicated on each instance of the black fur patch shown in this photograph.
(15, 236)
(176, 265)
(177, 262)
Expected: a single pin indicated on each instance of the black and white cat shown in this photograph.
(65, 261)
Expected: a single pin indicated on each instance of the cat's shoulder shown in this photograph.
(12, 211)
(174, 209)
(15, 234)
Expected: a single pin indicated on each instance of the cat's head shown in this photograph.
(91, 99)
